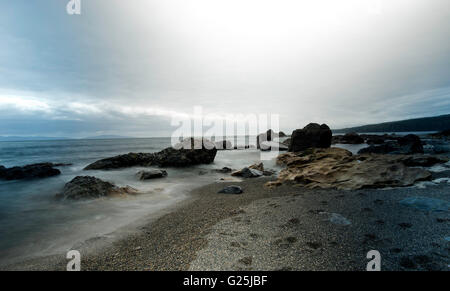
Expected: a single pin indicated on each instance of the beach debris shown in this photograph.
(151, 174)
(233, 189)
(82, 187)
(426, 203)
(336, 218)
(311, 136)
(338, 168)
(33, 171)
(189, 152)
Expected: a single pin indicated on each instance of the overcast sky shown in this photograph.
(127, 67)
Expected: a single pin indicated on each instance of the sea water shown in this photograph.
(34, 223)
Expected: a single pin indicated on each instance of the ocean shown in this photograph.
(34, 223)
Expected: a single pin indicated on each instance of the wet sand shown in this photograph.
(285, 228)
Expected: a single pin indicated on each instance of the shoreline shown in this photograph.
(277, 229)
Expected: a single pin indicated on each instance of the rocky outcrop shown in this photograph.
(86, 187)
(338, 168)
(349, 138)
(281, 134)
(34, 171)
(409, 144)
(187, 153)
(311, 136)
(443, 134)
(151, 174)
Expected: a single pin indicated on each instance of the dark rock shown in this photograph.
(82, 187)
(349, 138)
(231, 190)
(187, 153)
(224, 170)
(442, 134)
(42, 170)
(409, 144)
(287, 142)
(281, 134)
(311, 136)
(151, 174)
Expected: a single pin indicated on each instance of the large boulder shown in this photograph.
(409, 144)
(338, 168)
(83, 187)
(348, 138)
(187, 153)
(42, 170)
(311, 136)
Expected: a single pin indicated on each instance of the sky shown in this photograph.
(130, 67)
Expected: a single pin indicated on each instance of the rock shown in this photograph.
(349, 138)
(437, 147)
(311, 136)
(409, 144)
(223, 145)
(442, 134)
(273, 146)
(281, 134)
(231, 190)
(287, 142)
(34, 171)
(187, 153)
(259, 167)
(268, 172)
(247, 173)
(83, 187)
(263, 137)
(224, 170)
(426, 203)
(423, 160)
(151, 174)
(338, 168)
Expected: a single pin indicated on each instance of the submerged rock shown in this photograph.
(311, 136)
(187, 153)
(83, 187)
(426, 203)
(41, 170)
(231, 190)
(151, 174)
(338, 168)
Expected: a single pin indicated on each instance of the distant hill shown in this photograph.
(437, 123)
(29, 138)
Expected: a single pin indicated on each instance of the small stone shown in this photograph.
(231, 190)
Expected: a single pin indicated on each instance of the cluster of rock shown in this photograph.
(41, 170)
(83, 187)
(409, 144)
(253, 171)
(338, 168)
(187, 153)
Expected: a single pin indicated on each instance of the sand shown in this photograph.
(285, 228)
